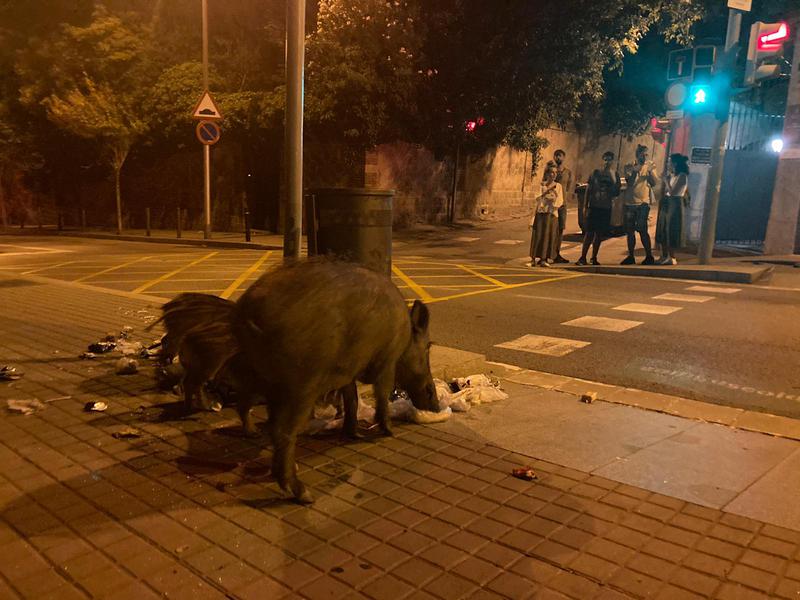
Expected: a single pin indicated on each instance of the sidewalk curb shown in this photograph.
(696, 410)
(176, 241)
(690, 272)
(737, 418)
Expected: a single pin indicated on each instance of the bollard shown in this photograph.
(178, 223)
(83, 219)
(246, 225)
(147, 220)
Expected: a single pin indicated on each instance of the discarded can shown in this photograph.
(9, 373)
(97, 406)
(589, 397)
(525, 473)
(88, 355)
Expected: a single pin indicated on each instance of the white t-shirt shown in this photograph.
(551, 197)
(677, 185)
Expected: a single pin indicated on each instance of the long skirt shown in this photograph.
(669, 226)
(544, 236)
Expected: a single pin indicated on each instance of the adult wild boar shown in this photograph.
(316, 326)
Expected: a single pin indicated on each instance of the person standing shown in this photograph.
(564, 177)
(669, 226)
(604, 186)
(641, 177)
(544, 222)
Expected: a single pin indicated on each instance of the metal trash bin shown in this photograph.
(353, 224)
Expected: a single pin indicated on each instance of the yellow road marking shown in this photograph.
(456, 286)
(150, 284)
(418, 290)
(69, 262)
(243, 277)
(108, 270)
(508, 287)
(482, 276)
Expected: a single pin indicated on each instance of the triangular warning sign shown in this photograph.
(206, 109)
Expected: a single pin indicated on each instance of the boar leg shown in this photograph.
(383, 386)
(244, 406)
(350, 395)
(287, 416)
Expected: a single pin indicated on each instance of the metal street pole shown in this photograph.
(295, 51)
(708, 232)
(206, 148)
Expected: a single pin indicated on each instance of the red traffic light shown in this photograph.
(773, 40)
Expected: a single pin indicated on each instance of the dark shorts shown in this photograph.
(635, 217)
(599, 220)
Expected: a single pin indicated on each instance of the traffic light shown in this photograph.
(765, 51)
(701, 98)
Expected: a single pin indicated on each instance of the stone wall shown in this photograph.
(497, 184)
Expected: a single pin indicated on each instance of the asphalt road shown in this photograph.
(733, 345)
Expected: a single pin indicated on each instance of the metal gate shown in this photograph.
(749, 177)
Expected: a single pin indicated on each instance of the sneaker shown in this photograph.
(544, 263)
(629, 261)
(672, 261)
(649, 260)
(581, 262)
(594, 262)
(664, 260)
(561, 260)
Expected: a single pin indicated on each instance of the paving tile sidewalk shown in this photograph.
(188, 510)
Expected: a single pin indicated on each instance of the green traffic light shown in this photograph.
(700, 96)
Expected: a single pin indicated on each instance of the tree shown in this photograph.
(96, 87)
(100, 113)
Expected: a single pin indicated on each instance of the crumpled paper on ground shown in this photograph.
(26, 407)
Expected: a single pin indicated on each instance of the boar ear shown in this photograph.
(420, 316)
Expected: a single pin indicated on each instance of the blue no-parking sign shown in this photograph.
(208, 132)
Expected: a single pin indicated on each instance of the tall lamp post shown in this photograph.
(295, 52)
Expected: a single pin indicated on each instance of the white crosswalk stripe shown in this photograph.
(603, 324)
(508, 242)
(542, 344)
(683, 298)
(651, 309)
(713, 289)
(467, 239)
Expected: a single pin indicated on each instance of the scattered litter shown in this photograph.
(126, 433)
(151, 351)
(58, 398)
(216, 406)
(127, 366)
(26, 407)
(169, 376)
(399, 395)
(182, 549)
(126, 331)
(525, 473)
(404, 410)
(110, 337)
(102, 347)
(88, 355)
(457, 396)
(97, 406)
(129, 348)
(464, 392)
(9, 373)
(589, 397)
